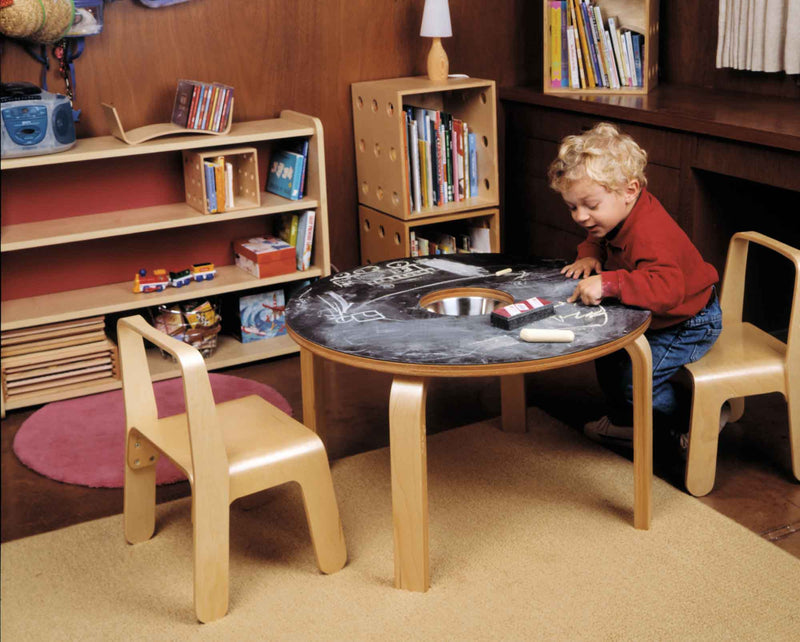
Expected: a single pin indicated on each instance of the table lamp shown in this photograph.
(436, 25)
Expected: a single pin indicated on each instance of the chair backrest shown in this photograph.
(209, 460)
(732, 297)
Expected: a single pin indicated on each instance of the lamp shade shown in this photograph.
(436, 20)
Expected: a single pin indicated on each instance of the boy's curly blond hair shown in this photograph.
(603, 154)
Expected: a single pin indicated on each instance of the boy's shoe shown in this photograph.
(604, 432)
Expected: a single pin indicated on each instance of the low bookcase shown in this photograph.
(640, 16)
(104, 209)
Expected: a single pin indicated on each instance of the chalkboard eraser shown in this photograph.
(514, 315)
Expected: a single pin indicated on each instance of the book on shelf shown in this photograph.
(200, 105)
(305, 239)
(555, 43)
(229, 197)
(638, 40)
(218, 175)
(473, 164)
(211, 186)
(564, 56)
(285, 174)
(261, 316)
(286, 228)
(413, 144)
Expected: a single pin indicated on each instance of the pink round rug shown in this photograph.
(82, 441)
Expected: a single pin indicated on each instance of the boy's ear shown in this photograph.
(632, 190)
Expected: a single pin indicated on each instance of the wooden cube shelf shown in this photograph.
(384, 237)
(379, 128)
(640, 16)
(245, 177)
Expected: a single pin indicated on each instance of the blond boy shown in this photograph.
(635, 253)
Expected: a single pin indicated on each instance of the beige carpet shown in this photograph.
(530, 538)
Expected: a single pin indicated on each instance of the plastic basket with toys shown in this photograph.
(195, 322)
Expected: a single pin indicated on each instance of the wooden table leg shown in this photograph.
(312, 382)
(409, 483)
(512, 403)
(641, 358)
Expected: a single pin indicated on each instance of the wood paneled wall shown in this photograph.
(300, 55)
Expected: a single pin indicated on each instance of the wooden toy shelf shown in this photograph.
(640, 16)
(176, 219)
(383, 187)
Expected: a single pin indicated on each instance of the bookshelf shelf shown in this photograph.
(27, 241)
(24, 236)
(639, 16)
(380, 143)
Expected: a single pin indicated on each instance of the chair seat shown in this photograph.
(746, 358)
(260, 441)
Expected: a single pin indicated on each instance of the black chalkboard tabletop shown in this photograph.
(374, 313)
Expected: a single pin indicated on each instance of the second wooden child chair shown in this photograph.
(227, 451)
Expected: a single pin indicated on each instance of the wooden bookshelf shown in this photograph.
(111, 228)
(640, 16)
(383, 186)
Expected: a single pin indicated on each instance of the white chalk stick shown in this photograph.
(503, 271)
(539, 335)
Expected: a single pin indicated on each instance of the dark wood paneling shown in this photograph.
(281, 55)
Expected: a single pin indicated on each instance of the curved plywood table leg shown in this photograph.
(311, 375)
(512, 403)
(639, 351)
(409, 483)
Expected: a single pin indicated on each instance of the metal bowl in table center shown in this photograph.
(460, 302)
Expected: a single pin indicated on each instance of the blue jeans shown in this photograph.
(671, 348)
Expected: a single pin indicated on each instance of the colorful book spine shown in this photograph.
(591, 45)
(574, 76)
(413, 143)
(597, 36)
(473, 164)
(211, 186)
(229, 197)
(638, 57)
(631, 63)
(219, 182)
(564, 54)
(305, 239)
(591, 83)
(555, 43)
(612, 65)
(612, 30)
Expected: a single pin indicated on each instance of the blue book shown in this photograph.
(211, 186)
(638, 42)
(285, 174)
(473, 164)
(564, 47)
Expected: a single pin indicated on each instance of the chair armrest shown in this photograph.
(187, 356)
(788, 251)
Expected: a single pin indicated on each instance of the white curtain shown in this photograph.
(759, 35)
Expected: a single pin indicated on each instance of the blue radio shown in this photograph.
(34, 121)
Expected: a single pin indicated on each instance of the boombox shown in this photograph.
(34, 121)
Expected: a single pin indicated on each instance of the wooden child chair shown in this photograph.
(227, 450)
(744, 361)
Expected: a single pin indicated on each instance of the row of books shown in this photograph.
(219, 184)
(287, 170)
(477, 240)
(201, 105)
(298, 231)
(587, 53)
(441, 158)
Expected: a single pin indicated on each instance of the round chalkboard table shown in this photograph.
(429, 317)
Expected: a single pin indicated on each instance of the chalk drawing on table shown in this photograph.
(454, 267)
(596, 314)
(384, 276)
(338, 311)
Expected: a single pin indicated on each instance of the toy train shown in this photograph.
(161, 279)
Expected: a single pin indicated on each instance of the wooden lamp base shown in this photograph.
(438, 65)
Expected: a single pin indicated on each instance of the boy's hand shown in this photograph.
(589, 291)
(582, 267)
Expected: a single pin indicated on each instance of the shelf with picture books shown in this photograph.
(128, 218)
(600, 46)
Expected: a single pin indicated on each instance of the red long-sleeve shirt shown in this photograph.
(651, 263)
